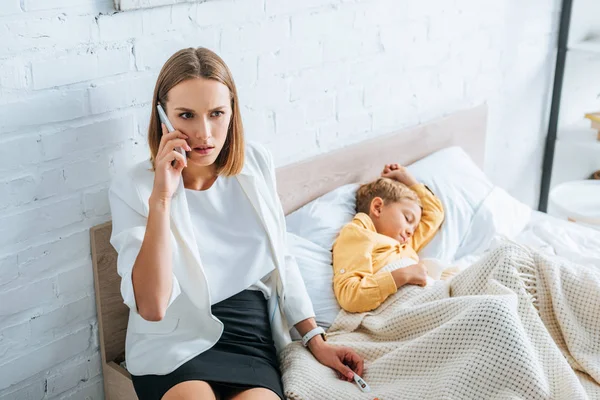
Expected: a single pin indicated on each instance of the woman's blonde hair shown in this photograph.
(195, 63)
(387, 189)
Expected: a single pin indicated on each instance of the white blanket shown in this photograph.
(515, 325)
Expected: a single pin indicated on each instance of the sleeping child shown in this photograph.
(396, 217)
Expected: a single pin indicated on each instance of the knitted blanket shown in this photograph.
(515, 325)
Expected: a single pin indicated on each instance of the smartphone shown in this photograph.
(162, 115)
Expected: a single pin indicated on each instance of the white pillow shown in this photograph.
(321, 220)
(499, 214)
(462, 187)
(315, 267)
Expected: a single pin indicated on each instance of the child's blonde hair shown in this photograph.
(388, 189)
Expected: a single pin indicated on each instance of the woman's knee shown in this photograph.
(256, 394)
(190, 390)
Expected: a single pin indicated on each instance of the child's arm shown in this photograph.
(431, 219)
(433, 210)
(356, 287)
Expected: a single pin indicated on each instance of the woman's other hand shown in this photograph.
(341, 359)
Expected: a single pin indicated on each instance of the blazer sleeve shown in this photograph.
(298, 305)
(128, 230)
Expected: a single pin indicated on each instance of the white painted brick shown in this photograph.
(80, 67)
(377, 13)
(126, 156)
(290, 120)
(212, 13)
(61, 318)
(142, 123)
(293, 6)
(350, 101)
(41, 359)
(77, 280)
(120, 26)
(259, 37)
(8, 269)
(94, 365)
(41, 185)
(57, 31)
(27, 224)
(404, 35)
(388, 120)
(96, 203)
(259, 125)
(87, 173)
(321, 24)
(351, 45)
(303, 140)
(42, 109)
(18, 191)
(36, 260)
(20, 151)
(317, 80)
(122, 93)
(375, 70)
(351, 128)
(295, 57)
(32, 391)
(152, 52)
(13, 339)
(67, 377)
(319, 109)
(20, 299)
(92, 390)
(158, 20)
(269, 93)
(34, 5)
(9, 7)
(244, 69)
(87, 137)
(13, 74)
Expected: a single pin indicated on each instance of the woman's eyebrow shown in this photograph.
(184, 109)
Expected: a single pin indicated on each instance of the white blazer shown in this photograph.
(188, 327)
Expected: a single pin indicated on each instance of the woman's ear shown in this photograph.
(376, 206)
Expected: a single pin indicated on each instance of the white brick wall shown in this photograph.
(314, 75)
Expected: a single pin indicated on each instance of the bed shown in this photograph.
(317, 195)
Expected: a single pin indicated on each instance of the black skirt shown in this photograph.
(243, 358)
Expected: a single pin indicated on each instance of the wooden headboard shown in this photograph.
(304, 181)
(298, 184)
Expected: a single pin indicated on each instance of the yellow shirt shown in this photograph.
(359, 253)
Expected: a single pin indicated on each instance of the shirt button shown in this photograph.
(342, 271)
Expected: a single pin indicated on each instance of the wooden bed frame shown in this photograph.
(298, 184)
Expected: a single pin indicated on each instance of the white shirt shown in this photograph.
(231, 238)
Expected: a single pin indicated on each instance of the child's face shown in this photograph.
(398, 220)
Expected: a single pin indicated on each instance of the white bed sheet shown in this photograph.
(554, 236)
(559, 237)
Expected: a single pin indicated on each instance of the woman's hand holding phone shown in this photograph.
(169, 163)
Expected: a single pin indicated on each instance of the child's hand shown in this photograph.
(398, 173)
(416, 274)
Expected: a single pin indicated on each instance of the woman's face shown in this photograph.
(201, 109)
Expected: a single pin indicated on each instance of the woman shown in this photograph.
(202, 254)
